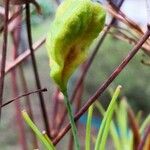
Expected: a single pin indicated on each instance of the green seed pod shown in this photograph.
(77, 23)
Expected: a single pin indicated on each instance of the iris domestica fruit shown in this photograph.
(77, 23)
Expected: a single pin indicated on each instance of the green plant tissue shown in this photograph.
(77, 23)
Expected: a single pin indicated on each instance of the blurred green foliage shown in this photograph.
(47, 10)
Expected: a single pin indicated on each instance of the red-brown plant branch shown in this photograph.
(23, 56)
(144, 139)
(21, 130)
(134, 27)
(36, 75)
(126, 19)
(15, 34)
(4, 52)
(88, 64)
(135, 128)
(104, 86)
(23, 95)
(55, 111)
(14, 16)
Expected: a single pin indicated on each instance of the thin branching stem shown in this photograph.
(135, 128)
(4, 52)
(22, 57)
(15, 34)
(37, 79)
(14, 16)
(24, 95)
(55, 111)
(142, 143)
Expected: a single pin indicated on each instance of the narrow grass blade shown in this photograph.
(48, 139)
(144, 143)
(113, 130)
(104, 129)
(134, 127)
(122, 121)
(145, 124)
(27, 119)
(88, 128)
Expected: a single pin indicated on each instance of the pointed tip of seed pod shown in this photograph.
(24, 111)
(120, 86)
(43, 132)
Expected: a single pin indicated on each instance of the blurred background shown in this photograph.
(135, 78)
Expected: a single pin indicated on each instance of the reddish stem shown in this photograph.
(15, 15)
(135, 128)
(4, 52)
(55, 111)
(37, 79)
(16, 38)
(143, 141)
(22, 137)
(23, 56)
(23, 95)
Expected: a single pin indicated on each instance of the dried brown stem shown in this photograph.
(14, 16)
(23, 95)
(23, 56)
(55, 111)
(4, 52)
(36, 75)
(144, 139)
(122, 16)
(135, 128)
(118, 14)
(21, 130)
(15, 33)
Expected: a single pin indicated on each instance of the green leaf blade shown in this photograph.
(88, 128)
(104, 129)
(27, 119)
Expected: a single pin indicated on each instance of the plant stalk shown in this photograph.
(104, 86)
(72, 122)
(4, 53)
(36, 74)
